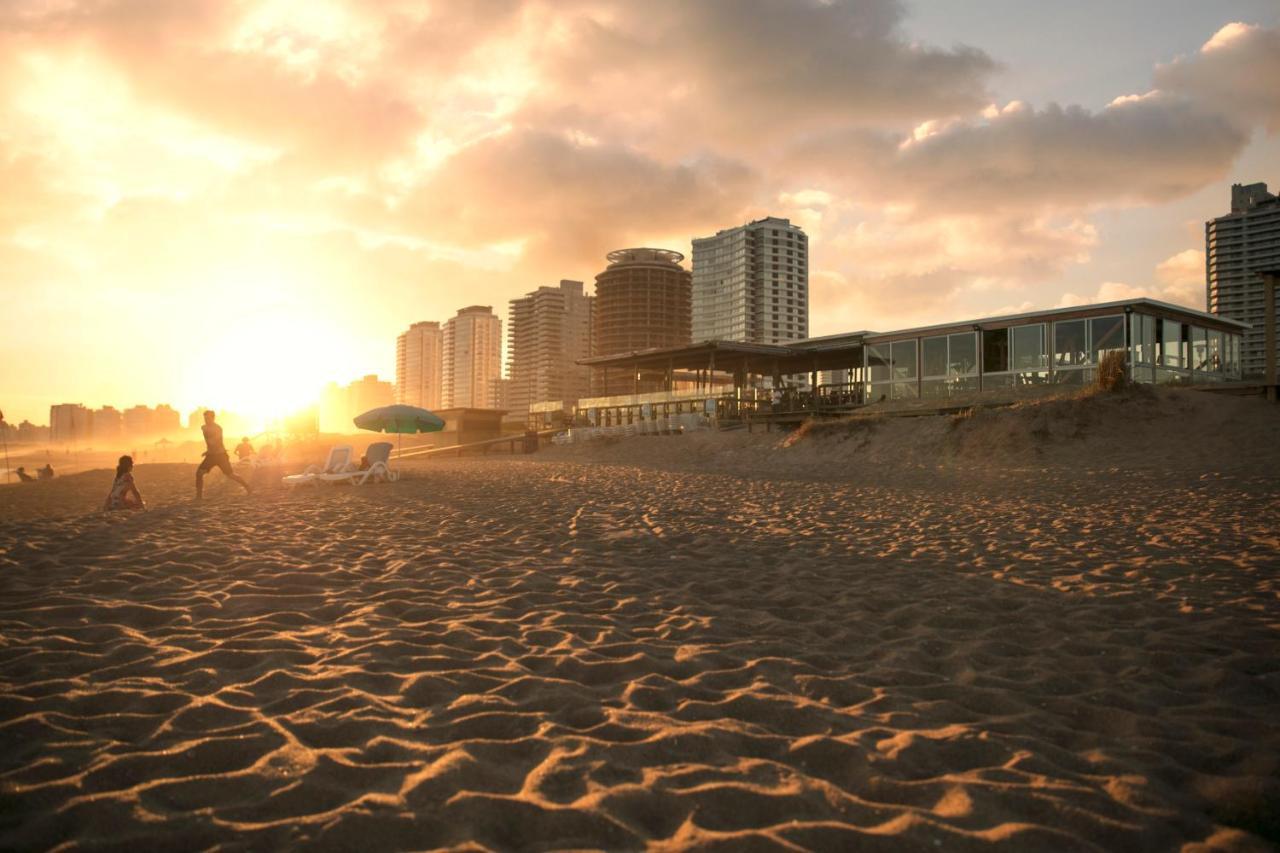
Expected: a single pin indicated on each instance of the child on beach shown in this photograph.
(124, 494)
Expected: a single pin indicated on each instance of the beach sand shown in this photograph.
(1030, 629)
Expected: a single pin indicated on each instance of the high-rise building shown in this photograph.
(472, 359)
(369, 392)
(642, 302)
(165, 420)
(32, 434)
(548, 331)
(340, 404)
(420, 365)
(1236, 248)
(68, 423)
(137, 421)
(106, 424)
(751, 283)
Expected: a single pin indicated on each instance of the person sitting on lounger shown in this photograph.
(124, 493)
(23, 476)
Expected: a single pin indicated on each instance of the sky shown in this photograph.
(220, 203)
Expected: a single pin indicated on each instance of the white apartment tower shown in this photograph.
(420, 366)
(1236, 248)
(548, 330)
(472, 359)
(751, 283)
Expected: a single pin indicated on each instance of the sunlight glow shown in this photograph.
(269, 363)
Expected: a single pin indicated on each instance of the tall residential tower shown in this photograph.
(1236, 248)
(472, 359)
(642, 302)
(751, 283)
(420, 365)
(548, 331)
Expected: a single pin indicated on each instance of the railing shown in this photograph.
(788, 401)
(483, 446)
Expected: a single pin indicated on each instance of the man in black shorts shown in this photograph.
(215, 456)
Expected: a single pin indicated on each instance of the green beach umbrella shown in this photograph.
(399, 419)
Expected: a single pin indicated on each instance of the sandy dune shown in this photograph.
(568, 651)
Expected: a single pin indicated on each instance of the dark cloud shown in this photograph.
(571, 200)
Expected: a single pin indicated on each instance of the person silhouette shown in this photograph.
(124, 492)
(215, 456)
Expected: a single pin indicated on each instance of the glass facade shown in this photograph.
(949, 364)
(1061, 352)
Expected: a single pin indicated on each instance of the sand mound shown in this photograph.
(1177, 431)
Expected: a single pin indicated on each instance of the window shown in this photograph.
(1199, 349)
(963, 356)
(878, 359)
(1070, 347)
(1142, 338)
(950, 355)
(1216, 352)
(995, 351)
(904, 359)
(1172, 350)
(1107, 334)
(1028, 347)
(934, 356)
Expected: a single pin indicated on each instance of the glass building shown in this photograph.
(994, 356)
(1162, 343)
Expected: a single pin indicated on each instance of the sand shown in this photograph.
(1065, 643)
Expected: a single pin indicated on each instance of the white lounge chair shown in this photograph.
(379, 455)
(339, 458)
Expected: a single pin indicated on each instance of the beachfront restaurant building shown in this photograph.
(985, 358)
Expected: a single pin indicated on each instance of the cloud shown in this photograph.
(1108, 291)
(1182, 279)
(744, 72)
(1234, 73)
(1179, 280)
(1141, 150)
(188, 59)
(571, 201)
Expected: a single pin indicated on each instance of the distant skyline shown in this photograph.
(231, 204)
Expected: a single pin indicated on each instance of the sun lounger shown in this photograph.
(379, 455)
(339, 458)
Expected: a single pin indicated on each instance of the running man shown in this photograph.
(215, 456)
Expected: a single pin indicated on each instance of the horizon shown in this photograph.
(231, 206)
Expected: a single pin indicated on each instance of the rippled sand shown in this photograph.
(556, 653)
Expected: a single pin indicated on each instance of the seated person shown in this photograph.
(46, 473)
(23, 476)
(124, 494)
(244, 450)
